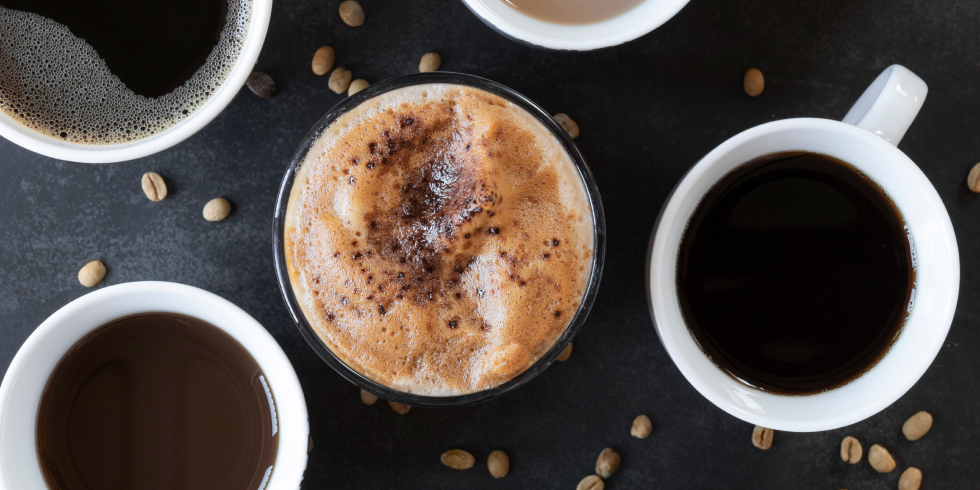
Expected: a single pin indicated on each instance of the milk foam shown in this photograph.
(56, 84)
(439, 239)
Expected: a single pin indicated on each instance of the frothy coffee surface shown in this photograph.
(439, 239)
(56, 84)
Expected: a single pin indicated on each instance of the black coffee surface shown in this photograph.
(795, 273)
(152, 46)
(156, 401)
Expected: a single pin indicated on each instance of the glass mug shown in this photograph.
(296, 311)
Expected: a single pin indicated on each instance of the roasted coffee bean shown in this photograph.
(351, 13)
(458, 459)
(917, 426)
(762, 437)
(880, 459)
(498, 463)
(91, 273)
(607, 463)
(851, 450)
(261, 84)
(642, 427)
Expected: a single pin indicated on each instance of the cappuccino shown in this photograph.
(439, 239)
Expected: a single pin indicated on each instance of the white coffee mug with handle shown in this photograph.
(258, 23)
(866, 139)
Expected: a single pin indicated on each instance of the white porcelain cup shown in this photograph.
(23, 385)
(866, 139)
(258, 24)
(627, 26)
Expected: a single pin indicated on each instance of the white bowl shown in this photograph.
(76, 152)
(627, 26)
(23, 385)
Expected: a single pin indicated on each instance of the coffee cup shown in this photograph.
(27, 376)
(866, 139)
(309, 326)
(253, 35)
(634, 23)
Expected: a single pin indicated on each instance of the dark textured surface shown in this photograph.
(648, 111)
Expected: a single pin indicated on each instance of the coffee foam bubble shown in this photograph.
(439, 239)
(56, 84)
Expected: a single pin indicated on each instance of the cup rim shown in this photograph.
(296, 312)
(527, 30)
(784, 412)
(156, 296)
(51, 147)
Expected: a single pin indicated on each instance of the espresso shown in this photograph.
(439, 239)
(112, 71)
(796, 273)
(157, 400)
(573, 11)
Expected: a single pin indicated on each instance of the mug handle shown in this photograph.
(889, 105)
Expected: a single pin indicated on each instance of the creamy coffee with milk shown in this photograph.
(573, 12)
(103, 72)
(439, 239)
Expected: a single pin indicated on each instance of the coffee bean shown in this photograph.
(261, 84)
(762, 437)
(917, 426)
(570, 126)
(607, 463)
(339, 80)
(911, 479)
(498, 463)
(368, 398)
(323, 60)
(973, 179)
(217, 209)
(351, 13)
(458, 459)
(153, 186)
(430, 62)
(880, 459)
(753, 82)
(399, 408)
(591, 482)
(642, 427)
(91, 273)
(851, 450)
(565, 354)
(356, 86)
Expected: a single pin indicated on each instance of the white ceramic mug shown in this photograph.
(23, 385)
(866, 139)
(258, 24)
(627, 26)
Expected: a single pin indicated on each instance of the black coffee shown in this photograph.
(795, 274)
(157, 400)
(107, 72)
(153, 46)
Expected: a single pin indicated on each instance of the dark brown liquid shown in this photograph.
(157, 401)
(153, 46)
(795, 274)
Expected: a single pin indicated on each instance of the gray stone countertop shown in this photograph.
(648, 110)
